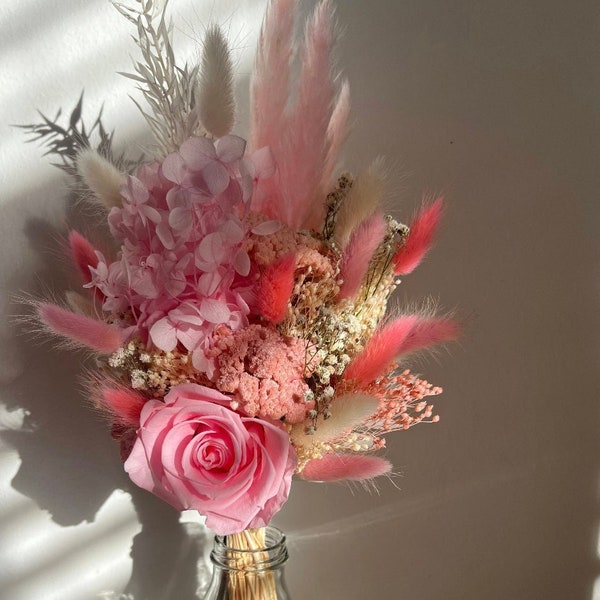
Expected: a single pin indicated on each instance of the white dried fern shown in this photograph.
(169, 90)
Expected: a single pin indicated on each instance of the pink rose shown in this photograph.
(195, 453)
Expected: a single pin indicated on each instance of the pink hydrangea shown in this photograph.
(183, 267)
(264, 372)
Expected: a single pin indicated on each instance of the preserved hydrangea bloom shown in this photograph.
(195, 453)
(182, 267)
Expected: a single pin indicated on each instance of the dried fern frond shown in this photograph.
(168, 89)
(67, 141)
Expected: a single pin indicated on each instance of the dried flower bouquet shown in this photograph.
(238, 314)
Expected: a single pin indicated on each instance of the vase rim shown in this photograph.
(272, 554)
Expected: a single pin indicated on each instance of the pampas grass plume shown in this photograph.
(270, 78)
(337, 133)
(101, 177)
(216, 104)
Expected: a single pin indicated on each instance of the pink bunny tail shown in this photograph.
(429, 331)
(420, 239)
(83, 331)
(83, 254)
(352, 467)
(358, 254)
(275, 289)
(385, 345)
(124, 404)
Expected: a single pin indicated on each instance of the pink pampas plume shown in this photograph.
(383, 347)
(79, 329)
(275, 288)
(302, 152)
(353, 467)
(337, 133)
(358, 254)
(429, 331)
(270, 80)
(420, 239)
(83, 254)
(300, 146)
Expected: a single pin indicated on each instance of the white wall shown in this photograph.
(493, 102)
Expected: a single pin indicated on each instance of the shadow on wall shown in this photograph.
(69, 464)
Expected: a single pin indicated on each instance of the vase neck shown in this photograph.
(251, 550)
(249, 566)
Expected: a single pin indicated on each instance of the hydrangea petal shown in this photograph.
(197, 152)
(173, 168)
(164, 335)
(216, 177)
(241, 263)
(214, 311)
(230, 148)
(267, 228)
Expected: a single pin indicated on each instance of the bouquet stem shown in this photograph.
(246, 580)
(249, 566)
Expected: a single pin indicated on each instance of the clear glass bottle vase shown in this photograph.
(249, 566)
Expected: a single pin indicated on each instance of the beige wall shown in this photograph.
(496, 104)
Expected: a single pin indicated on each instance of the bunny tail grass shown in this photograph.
(348, 411)
(216, 104)
(420, 239)
(385, 345)
(83, 255)
(351, 467)
(79, 329)
(103, 179)
(363, 243)
(363, 200)
(275, 288)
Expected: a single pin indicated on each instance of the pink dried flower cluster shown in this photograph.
(241, 332)
(402, 402)
(264, 372)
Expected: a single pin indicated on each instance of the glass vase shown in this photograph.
(249, 566)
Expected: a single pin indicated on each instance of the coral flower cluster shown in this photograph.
(239, 311)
